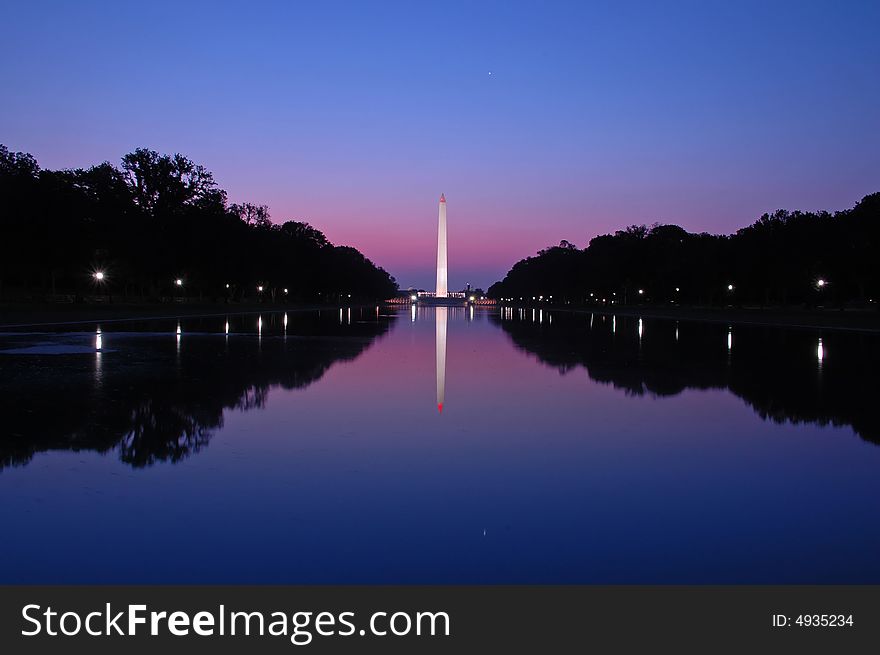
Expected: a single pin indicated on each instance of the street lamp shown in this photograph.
(178, 282)
(641, 292)
(260, 288)
(730, 287)
(99, 276)
(285, 291)
(821, 282)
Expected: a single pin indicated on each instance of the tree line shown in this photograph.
(158, 226)
(784, 258)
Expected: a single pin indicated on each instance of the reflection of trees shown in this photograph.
(160, 432)
(150, 402)
(775, 371)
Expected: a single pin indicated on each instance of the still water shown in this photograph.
(310, 447)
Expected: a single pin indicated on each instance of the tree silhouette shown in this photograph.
(780, 259)
(156, 219)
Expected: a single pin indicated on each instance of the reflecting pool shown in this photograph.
(448, 445)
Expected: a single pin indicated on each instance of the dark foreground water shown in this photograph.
(309, 448)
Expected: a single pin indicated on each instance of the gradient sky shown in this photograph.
(355, 116)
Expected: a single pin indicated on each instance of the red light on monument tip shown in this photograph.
(440, 407)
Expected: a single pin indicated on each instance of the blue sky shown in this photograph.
(355, 116)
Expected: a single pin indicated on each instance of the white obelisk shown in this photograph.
(441, 250)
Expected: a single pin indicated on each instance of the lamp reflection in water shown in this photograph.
(99, 346)
(820, 352)
(441, 356)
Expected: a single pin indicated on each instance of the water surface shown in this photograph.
(311, 448)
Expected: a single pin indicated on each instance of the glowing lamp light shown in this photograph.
(730, 287)
(472, 298)
(285, 291)
(178, 282)
(260, 288)
(821, 282)
(99, 276)
(227, 285)
(641, 292)
(677, 289)
(412, 297)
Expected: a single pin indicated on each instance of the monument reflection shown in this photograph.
(440, 347)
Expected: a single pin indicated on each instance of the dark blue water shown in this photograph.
(309, 449)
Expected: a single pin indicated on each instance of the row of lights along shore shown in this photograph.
(821, 283)
(100, 276)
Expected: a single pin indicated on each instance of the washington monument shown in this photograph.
(441, 251)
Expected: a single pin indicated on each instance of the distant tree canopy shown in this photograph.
(783, 258)
(156, 219)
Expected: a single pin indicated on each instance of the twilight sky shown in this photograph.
(355, 116)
